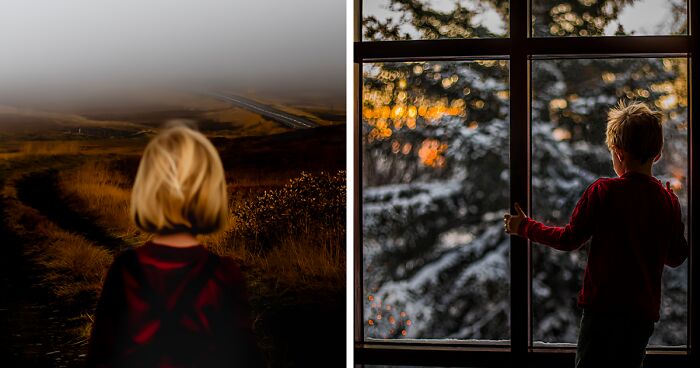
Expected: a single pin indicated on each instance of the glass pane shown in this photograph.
(569, 116)
(435, 185)
(388, 20)
(609, 17)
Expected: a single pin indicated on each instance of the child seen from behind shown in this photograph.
(635, 227)
(172, 302)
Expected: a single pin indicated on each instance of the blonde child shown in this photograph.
(635, 227)
(172, 302)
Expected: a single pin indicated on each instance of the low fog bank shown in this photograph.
(69, 49)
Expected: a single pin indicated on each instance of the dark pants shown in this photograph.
(612, 340)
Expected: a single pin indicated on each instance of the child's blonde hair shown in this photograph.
(635, 128)
(180, 184)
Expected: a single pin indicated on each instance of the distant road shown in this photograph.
(284, 118)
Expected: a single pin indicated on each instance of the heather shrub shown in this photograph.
(310, 204)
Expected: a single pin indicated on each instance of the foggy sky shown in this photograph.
(259, 41)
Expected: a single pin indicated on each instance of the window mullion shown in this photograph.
(693, 286)
(357, 202)
(519, 178)
(619, 46)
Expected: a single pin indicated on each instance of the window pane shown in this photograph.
(609, 17)
(435, 185)
(388, 20)
(569, 112)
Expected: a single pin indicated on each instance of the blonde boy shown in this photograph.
(635, 227)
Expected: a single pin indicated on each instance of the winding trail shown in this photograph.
(41, 191)
(36, 327)
(33, 332)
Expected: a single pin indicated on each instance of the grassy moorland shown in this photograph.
(64, 196)
(50, 275)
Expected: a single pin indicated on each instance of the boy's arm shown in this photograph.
(575, 233)
(678, 251)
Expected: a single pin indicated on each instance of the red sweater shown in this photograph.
(636, 227)
(163, 306)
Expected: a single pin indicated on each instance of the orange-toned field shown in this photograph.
(65, 182)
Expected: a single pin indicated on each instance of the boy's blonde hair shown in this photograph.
(635, 128)
(180, 184)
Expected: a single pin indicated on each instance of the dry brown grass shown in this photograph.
(105, 195)
(10, 155)
(76, 265)
(244, 122)
(303, 106)
(309, 260)
(302, 255)
(294, 234)
(73, 264)
(256, 181)
(86, 320)
(305, 261)
(72, 267)
(50, 147)
(14, 150)
(18, 150)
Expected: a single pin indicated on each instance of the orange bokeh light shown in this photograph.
(431, 153)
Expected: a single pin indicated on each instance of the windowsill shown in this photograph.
(418, 344)
(452, 342)
(542, 347)
(492, 345)
(446, 353)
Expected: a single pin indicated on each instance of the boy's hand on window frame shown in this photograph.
(668, 187)
(511, 223)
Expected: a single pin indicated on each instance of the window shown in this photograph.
(609, 18)
(384, 20)
(570, 100)
(435, 185)
(452, 128)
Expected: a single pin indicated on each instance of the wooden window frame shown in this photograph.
(520, 48)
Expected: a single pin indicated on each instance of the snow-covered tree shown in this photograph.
(435, 179)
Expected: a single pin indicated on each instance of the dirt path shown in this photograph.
(40, 191)
(33, 325)
(37, 329)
